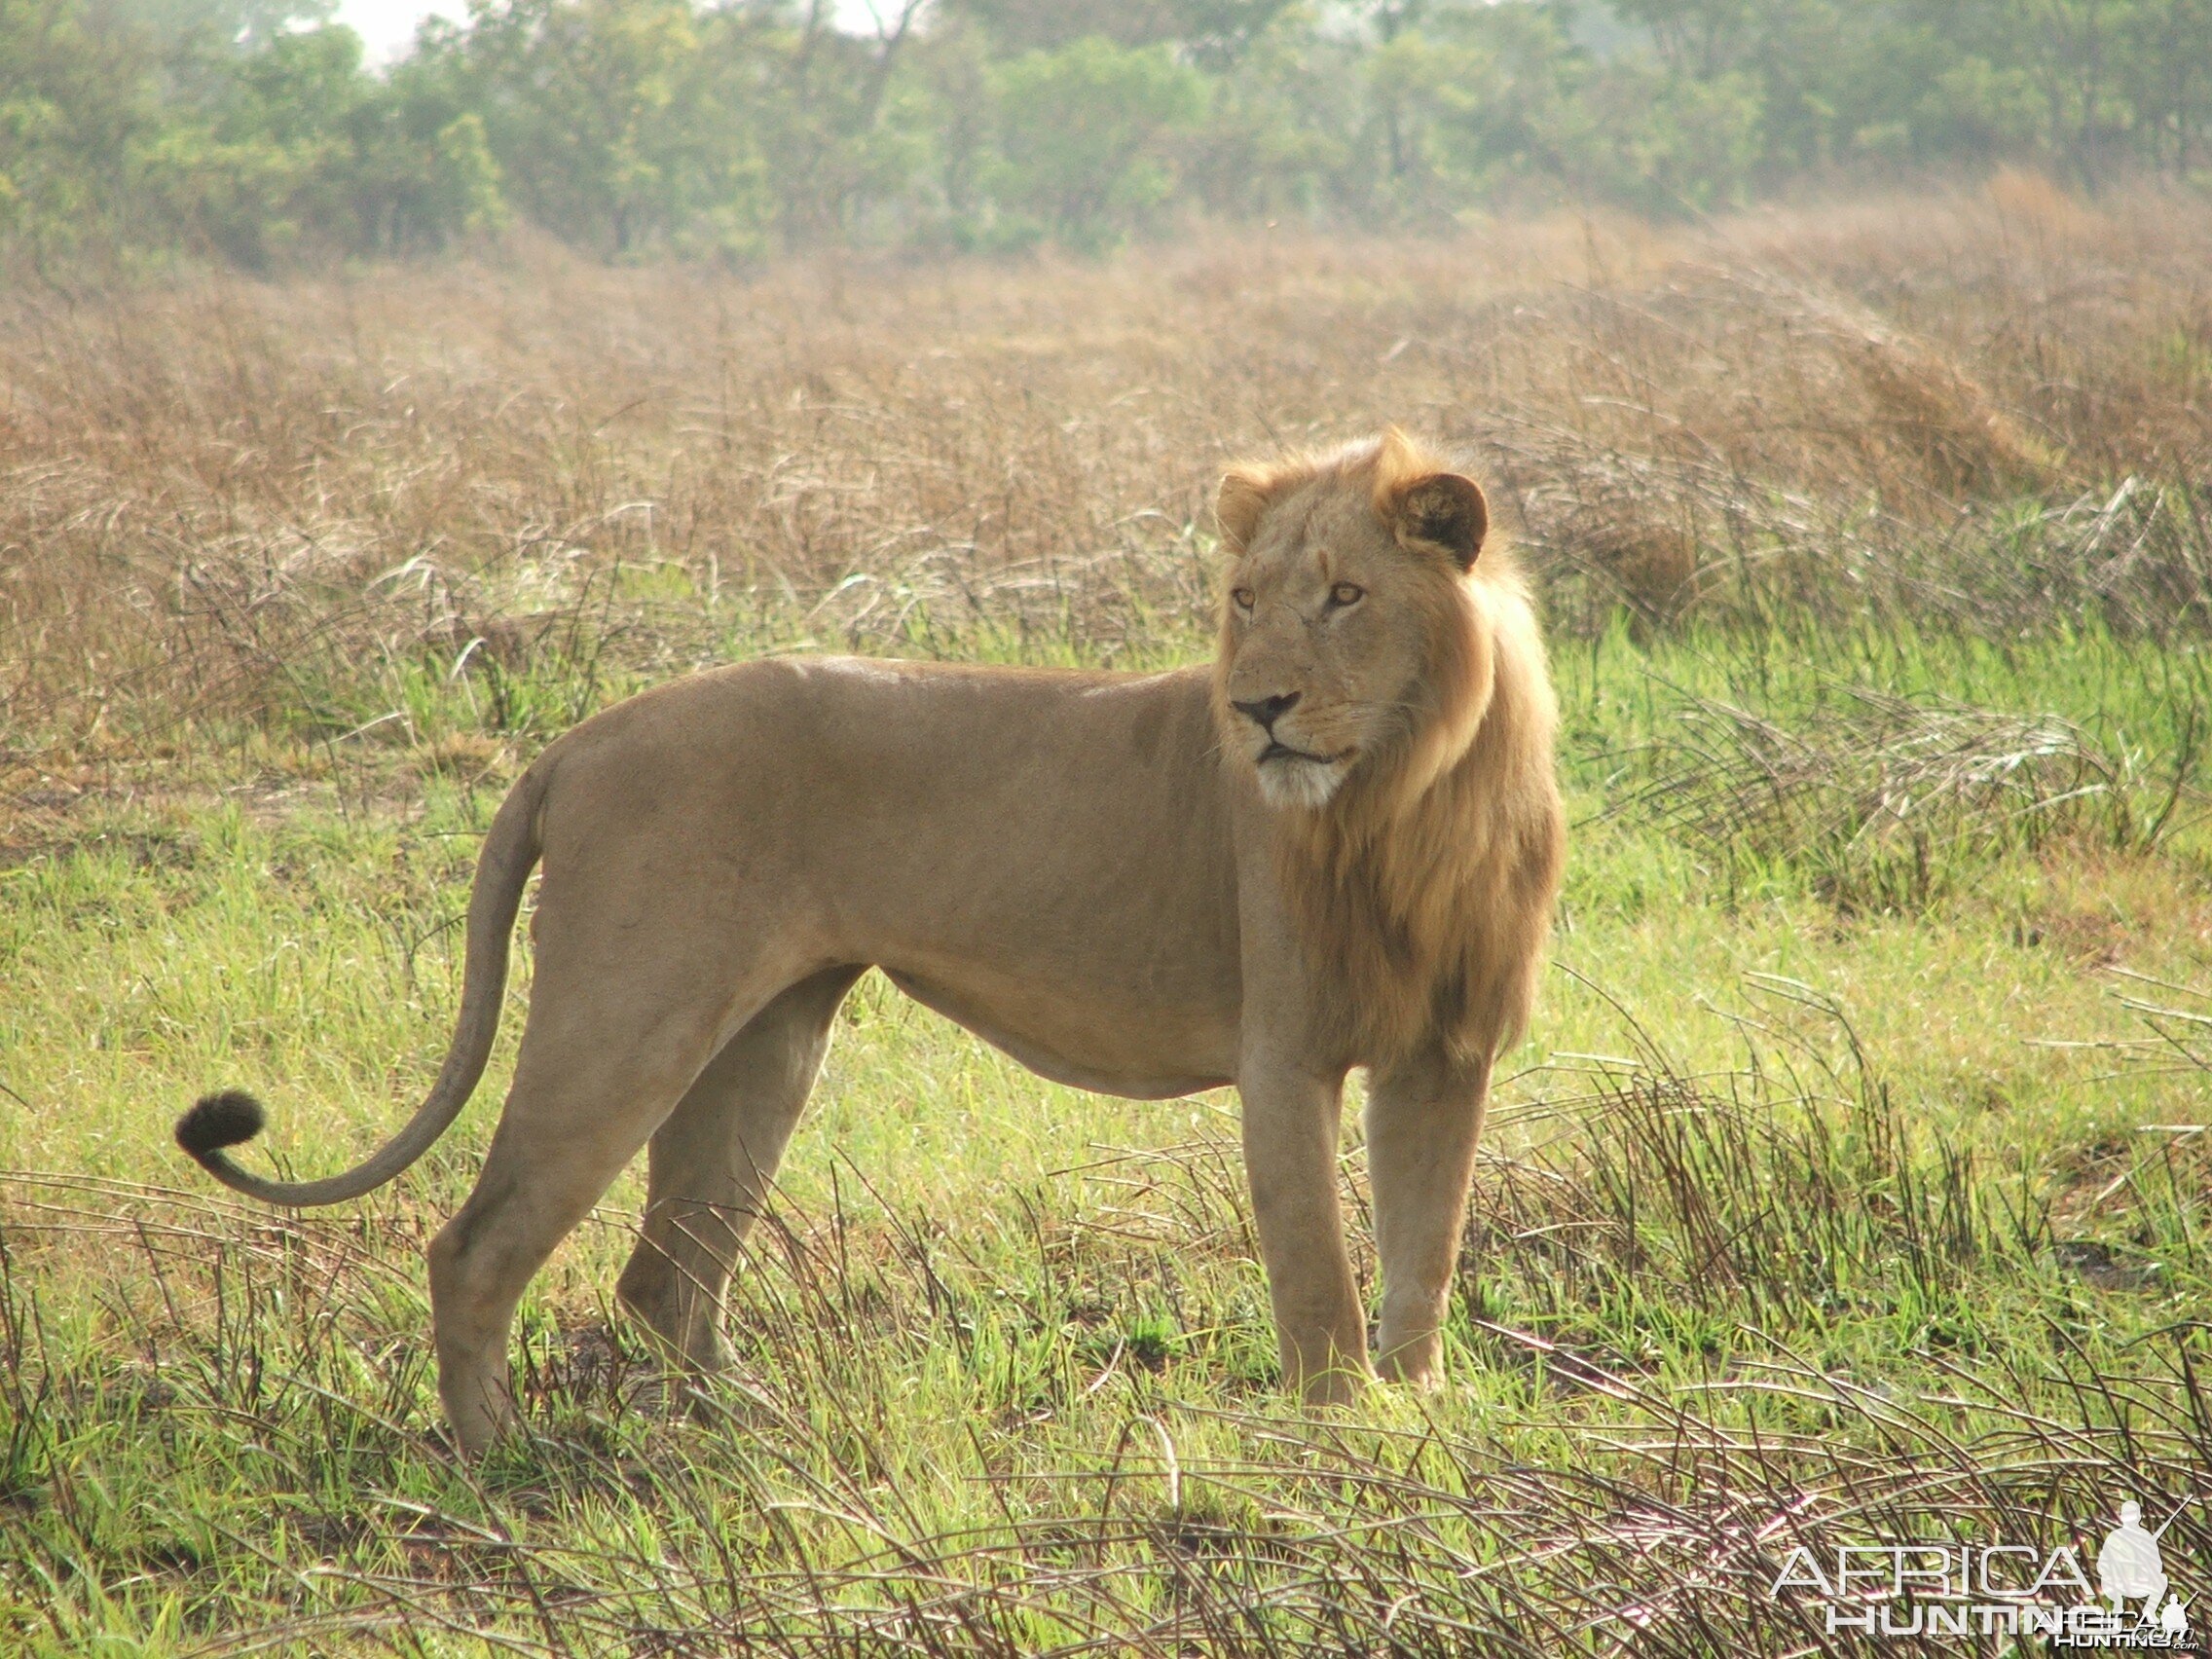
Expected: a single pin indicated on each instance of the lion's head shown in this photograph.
(1351, 645)
(1381, 677)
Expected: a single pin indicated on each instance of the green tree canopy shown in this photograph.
(254, 130)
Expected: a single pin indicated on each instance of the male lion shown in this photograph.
(1337, 846)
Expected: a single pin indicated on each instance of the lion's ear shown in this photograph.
(1244, 495)
(1442, 510)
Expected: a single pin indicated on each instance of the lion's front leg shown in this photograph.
(1423, 1122)
(1290, 1157)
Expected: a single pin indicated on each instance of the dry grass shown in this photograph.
(1888, 802)
(224, 499)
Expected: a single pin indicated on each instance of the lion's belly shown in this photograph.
(1112, 1040)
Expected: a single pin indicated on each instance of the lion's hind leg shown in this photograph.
(602, 1064)
(710, 1164)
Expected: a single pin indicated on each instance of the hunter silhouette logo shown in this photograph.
(2129, 1570)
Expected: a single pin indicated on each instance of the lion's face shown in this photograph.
(1345, 580)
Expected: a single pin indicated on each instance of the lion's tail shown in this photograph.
(502, 868)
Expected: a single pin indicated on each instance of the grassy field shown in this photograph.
(1851, 1187)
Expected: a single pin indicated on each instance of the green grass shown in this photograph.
(1812, 1211)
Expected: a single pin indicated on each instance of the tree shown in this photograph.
(251, 131)
(1080, 135)
(590, 110)
(1279, 136)
(815, 102)
(78, 99)
(1216, 33)
(304, 152)
(1697, 38)
(2168, 79)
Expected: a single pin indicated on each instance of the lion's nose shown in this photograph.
(1264, 712)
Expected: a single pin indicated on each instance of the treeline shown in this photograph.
(254, 131)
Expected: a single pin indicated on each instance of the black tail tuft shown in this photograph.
(217, 1121)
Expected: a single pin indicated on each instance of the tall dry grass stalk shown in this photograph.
(222, 499)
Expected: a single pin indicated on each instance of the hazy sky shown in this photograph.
(387, 25)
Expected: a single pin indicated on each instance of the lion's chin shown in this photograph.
(1307, 783)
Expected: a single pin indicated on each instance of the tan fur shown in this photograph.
(1113, 877)
(1425, 886)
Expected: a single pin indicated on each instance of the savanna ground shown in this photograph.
(1849, 1189)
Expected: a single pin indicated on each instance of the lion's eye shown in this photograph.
(1346, 593)
(1243, 596)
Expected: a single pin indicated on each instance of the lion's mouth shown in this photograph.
(1278, 750)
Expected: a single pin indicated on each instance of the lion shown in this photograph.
(1338, 845)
